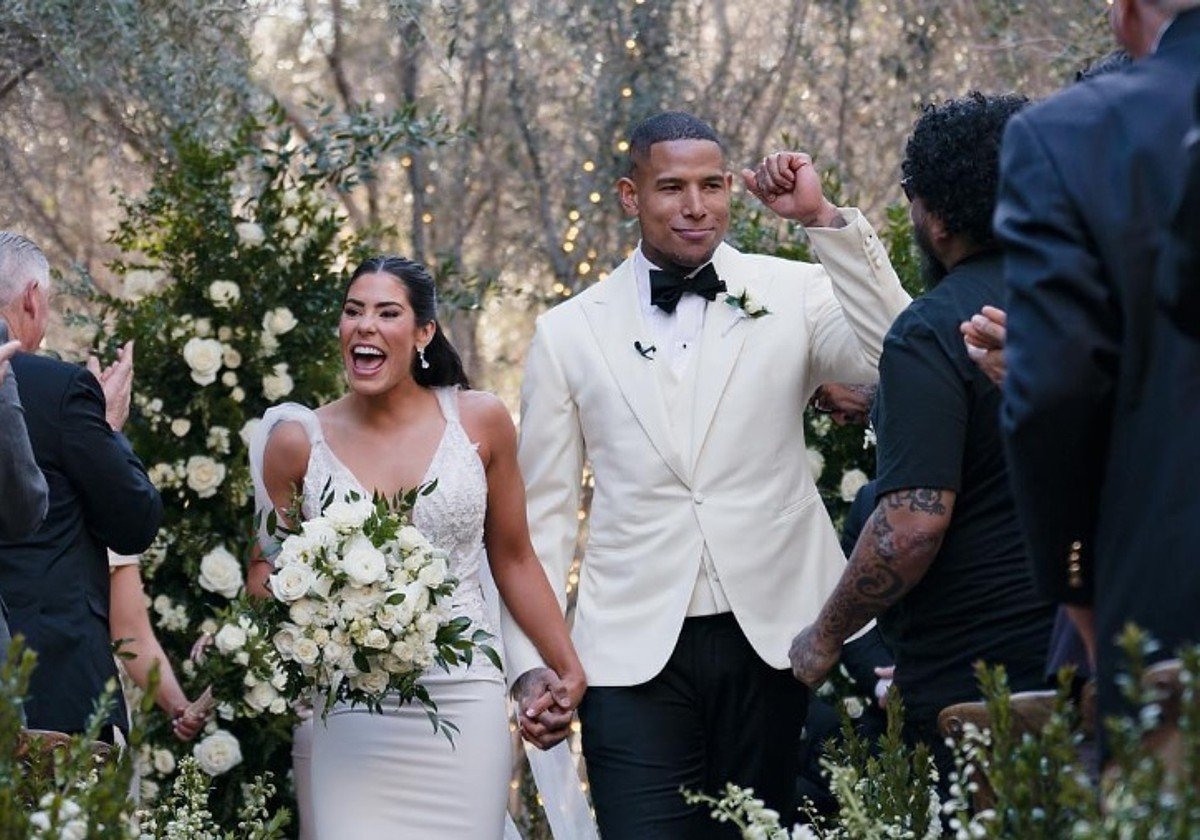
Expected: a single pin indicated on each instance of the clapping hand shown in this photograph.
(116, 381)
(788, 183)
(546, 704)
(985, 335)
(7, 351)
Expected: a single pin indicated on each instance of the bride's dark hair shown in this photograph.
(445, 365)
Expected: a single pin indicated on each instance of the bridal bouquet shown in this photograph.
(367, 605)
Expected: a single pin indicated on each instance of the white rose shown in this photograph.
(248, 430)
(229, 379)
(269, 343)
(250, 234)
(376, 640)
(348, 516)
(279, 321)
(277, 384)
(140, 282)
(320, 533)
(362, 562)
(218, 753)
(854, 707)
(852, 482)
(180, 426)
(410, 539)
(230, 638)
(164, 762)
(237, 395)
(221, 572)
(306, 651)
(162, 476)
(427, 625)
(218, 440)
(202, 327)
(302, 612)
(335, 653)
(323, 586)
(373, 682)
(230, 356)
(387, 616)
(403, 651)
(285, 642)
(261, 696)
(291, 583)
(816, 463)
(204, 475)
(209, 626)
(290, 225)
(224, 333)
(203, 356)
(433, 574)
(224, 293)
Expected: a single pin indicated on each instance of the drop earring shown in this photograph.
(421, 356)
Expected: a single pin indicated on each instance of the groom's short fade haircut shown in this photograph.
(664, 127)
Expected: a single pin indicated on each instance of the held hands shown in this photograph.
(545, 704)
(813, 656)
(116, 381)
(788, 183)
(187, 721)
(985, 335)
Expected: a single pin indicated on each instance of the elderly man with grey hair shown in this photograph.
(55, 581)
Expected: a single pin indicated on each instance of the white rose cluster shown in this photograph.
(362, 587)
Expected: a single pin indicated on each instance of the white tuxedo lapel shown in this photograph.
(725, 330)
(615, 317)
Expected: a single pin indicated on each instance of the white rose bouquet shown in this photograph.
(366, 600)
(238, 661)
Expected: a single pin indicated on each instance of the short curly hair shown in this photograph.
(952, 161)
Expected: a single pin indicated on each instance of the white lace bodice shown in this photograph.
(451, 517)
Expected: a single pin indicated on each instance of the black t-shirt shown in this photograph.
(937, 423)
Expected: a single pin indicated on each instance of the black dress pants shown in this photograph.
(716, 713)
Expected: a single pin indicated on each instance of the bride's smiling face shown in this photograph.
(379, 333)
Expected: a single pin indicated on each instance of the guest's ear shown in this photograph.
(627, 192)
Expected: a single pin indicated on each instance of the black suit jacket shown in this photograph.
(1179, 273)
(55, 582)
(1101, 401)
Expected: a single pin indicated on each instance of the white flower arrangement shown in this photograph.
(366, 598)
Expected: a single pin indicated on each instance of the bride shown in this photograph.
(409, 419)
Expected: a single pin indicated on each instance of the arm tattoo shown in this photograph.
(887, 562)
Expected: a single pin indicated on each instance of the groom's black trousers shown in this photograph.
(716, 713)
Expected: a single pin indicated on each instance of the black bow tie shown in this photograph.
(667, 287)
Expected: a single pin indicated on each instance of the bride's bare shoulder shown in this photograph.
(482, 408)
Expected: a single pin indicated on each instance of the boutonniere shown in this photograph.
(747, 306)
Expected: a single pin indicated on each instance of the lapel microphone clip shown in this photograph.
(646, 352)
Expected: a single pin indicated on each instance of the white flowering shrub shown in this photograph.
(233, 265)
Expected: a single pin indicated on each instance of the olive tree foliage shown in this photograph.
(90, 95)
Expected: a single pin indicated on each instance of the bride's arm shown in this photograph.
(285, 460)
(518, 572)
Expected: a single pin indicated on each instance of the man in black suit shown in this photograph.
(55, 582)
(1179, 277)
(1100, 401)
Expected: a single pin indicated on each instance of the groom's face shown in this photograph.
(679, 193)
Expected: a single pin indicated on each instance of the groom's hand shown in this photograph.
(788, 183)
(544, 707)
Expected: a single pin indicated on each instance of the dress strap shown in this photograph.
(282, 413)
(448, 401)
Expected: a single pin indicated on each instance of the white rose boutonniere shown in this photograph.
(747, 306)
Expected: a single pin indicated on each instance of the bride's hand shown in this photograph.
(546, 703)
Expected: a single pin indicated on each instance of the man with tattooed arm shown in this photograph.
(941, 562)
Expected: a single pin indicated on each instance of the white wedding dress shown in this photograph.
(390, 776)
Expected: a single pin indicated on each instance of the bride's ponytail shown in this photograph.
(445, 366)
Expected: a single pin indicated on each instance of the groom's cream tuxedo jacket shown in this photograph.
(748, 491)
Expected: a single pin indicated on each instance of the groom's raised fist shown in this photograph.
(788, 183)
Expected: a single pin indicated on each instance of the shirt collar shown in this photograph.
(1161, 32)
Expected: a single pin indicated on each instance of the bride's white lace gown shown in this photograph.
(389, 776)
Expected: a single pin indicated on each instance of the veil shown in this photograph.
(554, 771)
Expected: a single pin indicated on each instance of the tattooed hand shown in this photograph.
(812, 656)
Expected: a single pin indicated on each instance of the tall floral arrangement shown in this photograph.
(232, 272)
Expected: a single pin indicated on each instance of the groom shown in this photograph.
(682, 379)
